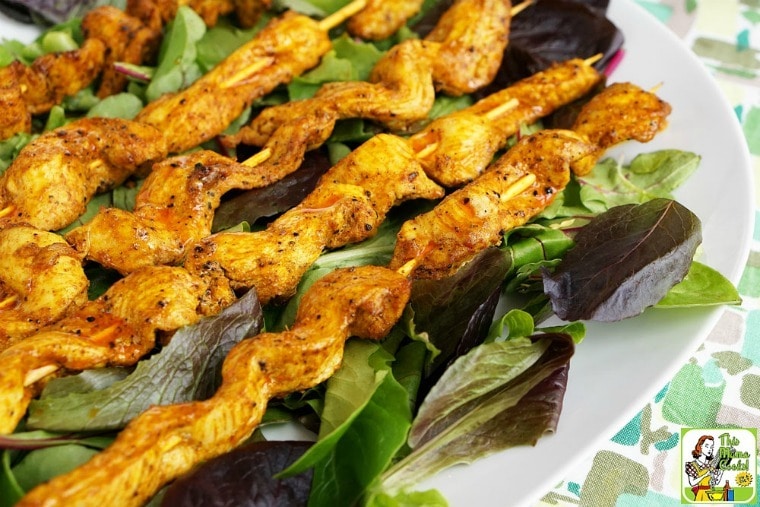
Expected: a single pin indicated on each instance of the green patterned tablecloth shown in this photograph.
(719, 386)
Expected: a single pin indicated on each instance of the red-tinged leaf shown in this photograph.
(244, 477)
(624, 261)
(258, 203)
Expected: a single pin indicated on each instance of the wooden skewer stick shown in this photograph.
(245, 73)
(342, 14)
(591, 60)
(503, 108)
(517, 9)
(518, 187)
(8, 302)
(258, 158)
(7, 210)
(38, 374)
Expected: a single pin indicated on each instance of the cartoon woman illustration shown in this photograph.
(703, 472)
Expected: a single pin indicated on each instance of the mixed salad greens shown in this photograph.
(463, 375)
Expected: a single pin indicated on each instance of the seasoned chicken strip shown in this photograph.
(399, 93)
(53, 178)
(116, 329)
(349, 203)
(175, 205)
(467, 140)
(53, 76)
(165, 442)
(473, 35)
(457, 57)
(15, 118)
(382, 18)
(128, 39)
(43, 278)
(519, 185)
(248, 12)
(35, 89)
(286, 47)
(621, 112)
(210, 10)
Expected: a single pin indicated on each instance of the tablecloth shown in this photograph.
(719, 386)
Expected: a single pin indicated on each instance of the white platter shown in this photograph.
(618, 367)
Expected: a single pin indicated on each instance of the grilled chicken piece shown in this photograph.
(398, 94)
(621, 112)
(43, 280)
(53, 178)
(382, 18)
(519, 185)
(116, 329)
(348, 205)
(286, 47)
(467, 140)
(248, 12)
(54, 76)
(34, 89)
(14, 116)
(401, 87)
(472, 35)
(210, 10)
(128, 39)
(175, 206)
(165, 442)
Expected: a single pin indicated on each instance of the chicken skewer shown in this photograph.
(164, 442)
(41, 280)
(286, 47)
(54, 176)
(439, 241)
(28, 90)
(175, 205)
(350, 202)
(457, 147)
(401, 86)
(116, 329)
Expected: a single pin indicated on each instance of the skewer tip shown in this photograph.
(4, 212)
(517, 9)
(591, 60)
(342, 14)
(258, 158)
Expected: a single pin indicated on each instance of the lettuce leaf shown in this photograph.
(364, 423)
(178, 66)
(188, 368)
(499, 395)
(648, 176)
(624, 261)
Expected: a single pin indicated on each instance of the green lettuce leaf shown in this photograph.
(178, 67)
(365, 421)
(648, 176)
(702, 286)
(188, 368)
